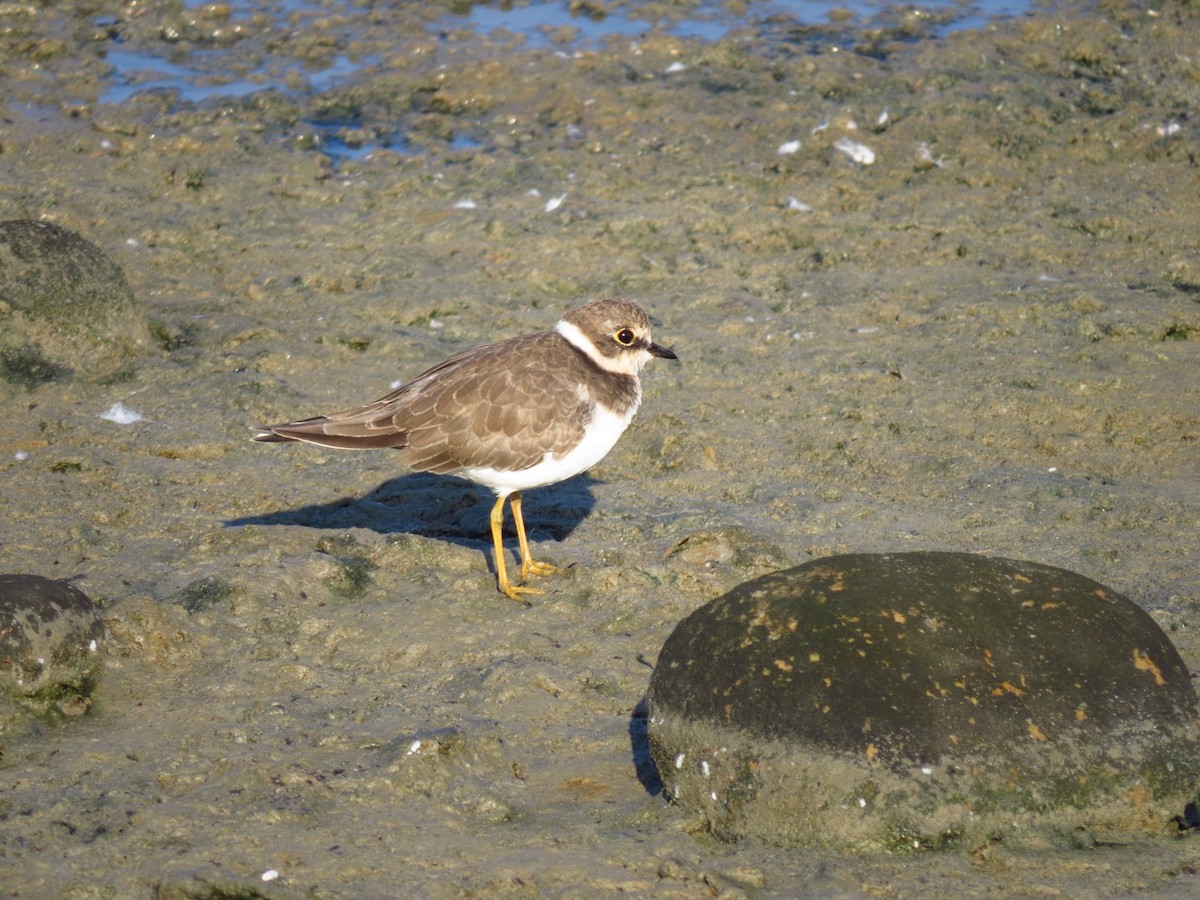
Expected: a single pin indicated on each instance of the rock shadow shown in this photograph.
(639, 748)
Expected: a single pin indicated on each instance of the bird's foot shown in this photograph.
(514, 591)
(540, 569)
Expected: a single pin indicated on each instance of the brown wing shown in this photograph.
(511, 405)
(379, 424)
(504, 405)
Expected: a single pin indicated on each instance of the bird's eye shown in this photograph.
(625, 337)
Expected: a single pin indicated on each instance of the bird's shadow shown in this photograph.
(444, 508)
(455, 510)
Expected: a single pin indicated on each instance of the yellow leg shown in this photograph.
(528, 565)
(512, 591)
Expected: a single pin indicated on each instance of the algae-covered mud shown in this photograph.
(930, 289)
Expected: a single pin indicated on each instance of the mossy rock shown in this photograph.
(51, 647)
(923, 700)
(65, 307)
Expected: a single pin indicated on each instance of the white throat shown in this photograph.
(623, 364)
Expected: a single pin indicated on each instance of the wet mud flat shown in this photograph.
(985, 339)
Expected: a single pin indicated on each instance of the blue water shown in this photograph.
(539, 23)
(199, 74)
(538, 20)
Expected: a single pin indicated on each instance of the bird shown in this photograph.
(514, 415)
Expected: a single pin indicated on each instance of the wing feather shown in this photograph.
(506, 405)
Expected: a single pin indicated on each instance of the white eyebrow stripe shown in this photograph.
(624, 363)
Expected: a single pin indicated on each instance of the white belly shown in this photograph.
(602, 433)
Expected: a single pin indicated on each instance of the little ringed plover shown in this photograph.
(514, 415)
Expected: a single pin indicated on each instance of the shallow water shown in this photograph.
(985, 340)
(210, 68)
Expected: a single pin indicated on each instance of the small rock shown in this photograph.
(215, 881)
(51, 643)
(924, 700)
(65, 307)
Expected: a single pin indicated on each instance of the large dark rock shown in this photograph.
(924, 699)
(65, 307)
(51, 647)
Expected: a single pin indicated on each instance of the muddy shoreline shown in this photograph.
(985, 340)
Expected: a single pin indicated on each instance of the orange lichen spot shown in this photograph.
(828, 682)
(825, 709)
(866, 727)
(1036, 733)
(1050, 604)
(961, 685)
(838, 585)
(814, 657)
(1024, 578)
(783, 665)
(1081, 715)
(954, 739)
(1025, 604)
(1101, 593)
(729, 711)
(987, 656)
(899, 618)
(872, 752)
(862, 653)
(974, 701)
(792, 625)
(1144, 663)
(1007, 687)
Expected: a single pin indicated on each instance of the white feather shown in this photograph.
(602, 433)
